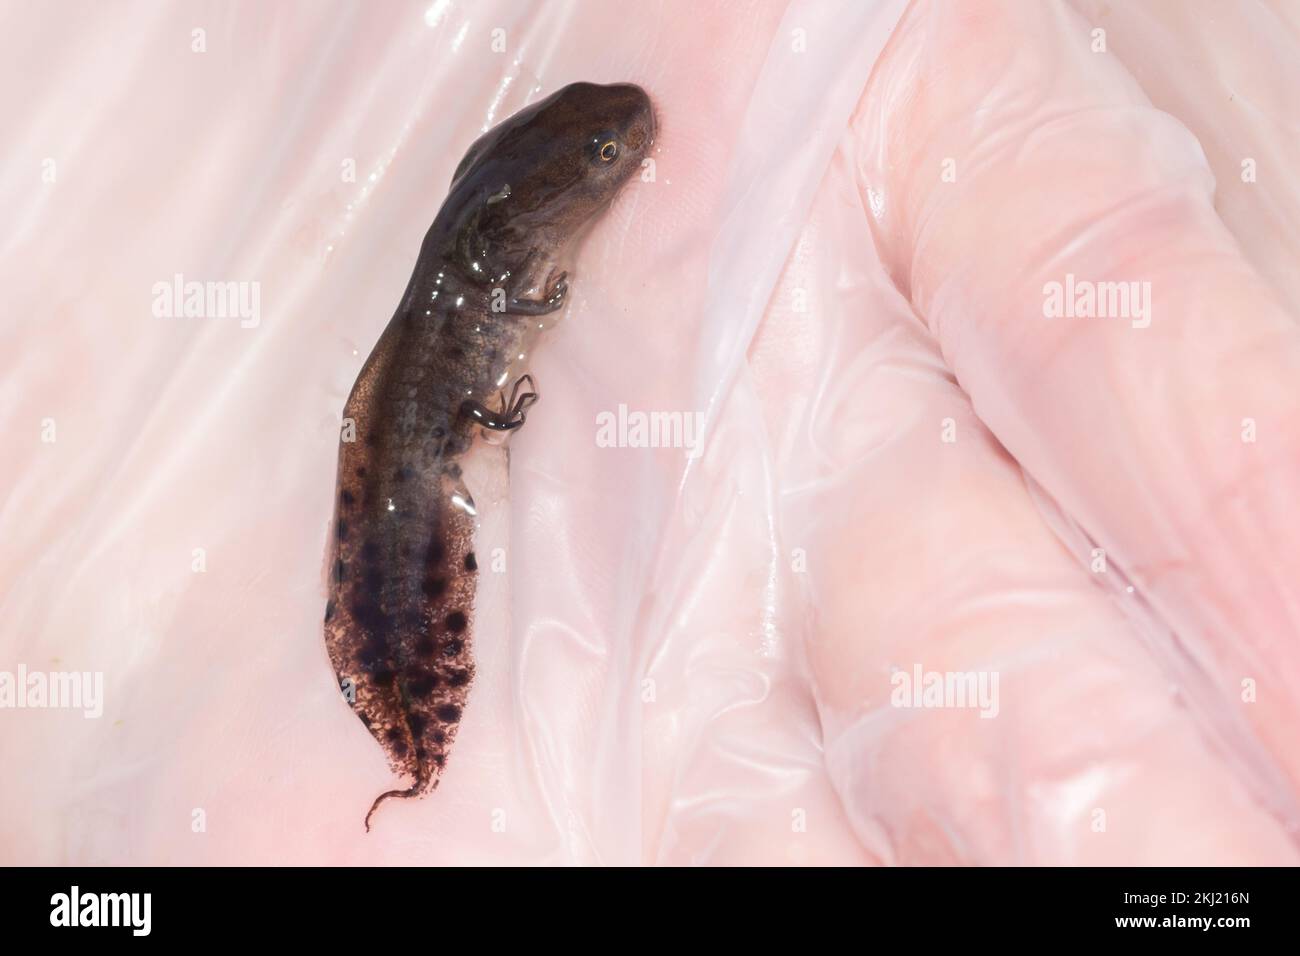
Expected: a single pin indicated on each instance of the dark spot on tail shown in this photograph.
(342, 530)
(361, 472)
(338, 570)
(329, 609)
(449, 713)
(453, 647)
(457, 622)
(422, 685)
(372, 619)
(458, 678)
(471, 562)
(433, 587)
(371, 653)
(348, 498)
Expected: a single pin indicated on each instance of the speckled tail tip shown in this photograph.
(414, 790)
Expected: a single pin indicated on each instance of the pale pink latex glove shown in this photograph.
(682, 660)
